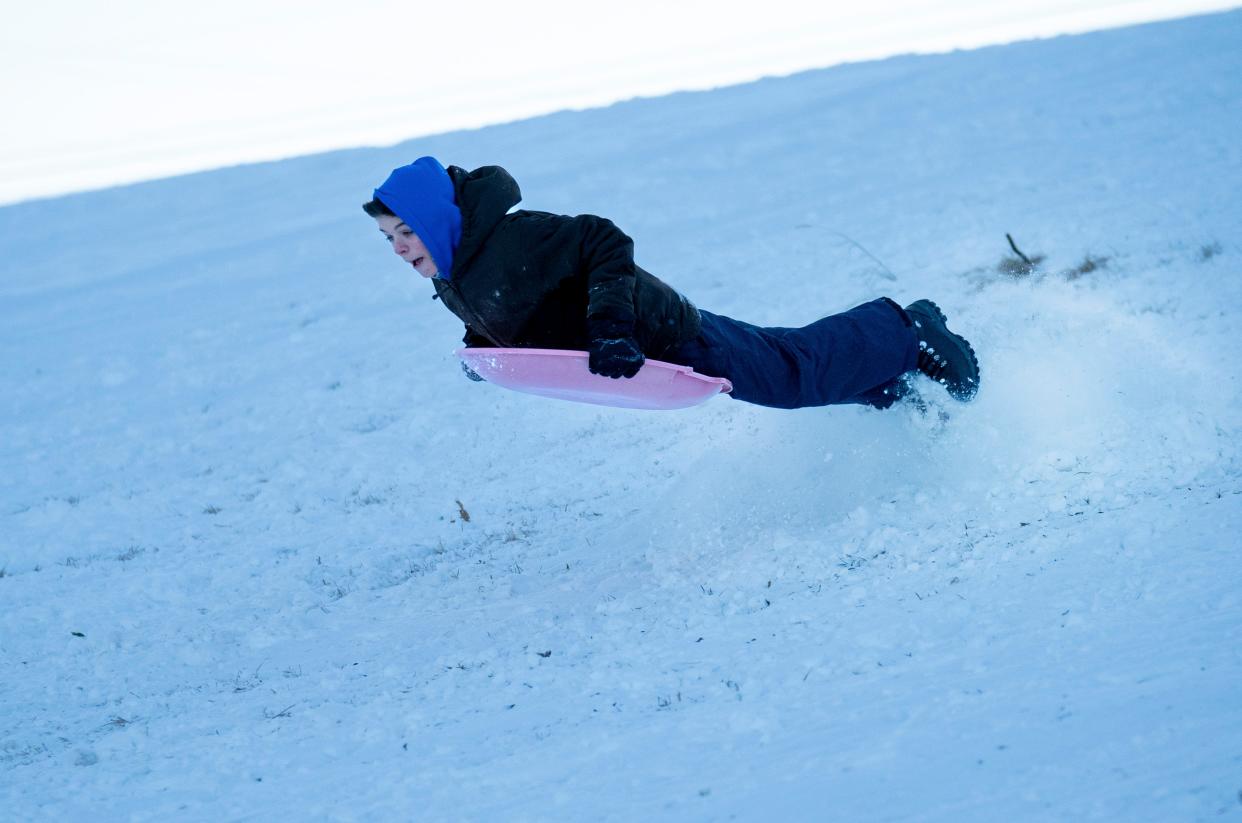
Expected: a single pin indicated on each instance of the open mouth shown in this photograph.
(415, 263)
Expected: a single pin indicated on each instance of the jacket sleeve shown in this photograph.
(607, 255)
(476, 341)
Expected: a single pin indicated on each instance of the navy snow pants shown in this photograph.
(852, 357)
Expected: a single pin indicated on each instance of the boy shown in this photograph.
(535, 279)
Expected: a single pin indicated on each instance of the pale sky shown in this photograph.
(98, 93)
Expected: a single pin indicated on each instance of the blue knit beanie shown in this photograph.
(421, 194)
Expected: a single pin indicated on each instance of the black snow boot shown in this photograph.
(944, 356)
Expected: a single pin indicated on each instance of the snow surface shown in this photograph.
(237, 459)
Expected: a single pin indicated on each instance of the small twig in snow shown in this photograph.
(1017, 251)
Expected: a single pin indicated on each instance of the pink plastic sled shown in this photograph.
(564, 375)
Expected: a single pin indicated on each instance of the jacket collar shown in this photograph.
(484, 196)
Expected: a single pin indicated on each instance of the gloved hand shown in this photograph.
(471, 373)
(616, 357)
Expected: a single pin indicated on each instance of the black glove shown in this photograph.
(616, 357)
(471, 373)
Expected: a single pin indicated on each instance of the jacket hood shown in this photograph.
(484, 196)
(422, 194)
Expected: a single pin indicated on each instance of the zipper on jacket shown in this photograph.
(466, 305)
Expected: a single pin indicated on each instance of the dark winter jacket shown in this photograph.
(534, 279)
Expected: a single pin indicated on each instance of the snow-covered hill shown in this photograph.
(266, 555)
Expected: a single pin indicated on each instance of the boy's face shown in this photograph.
(406, 244)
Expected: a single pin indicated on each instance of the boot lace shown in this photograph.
(930, 363)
